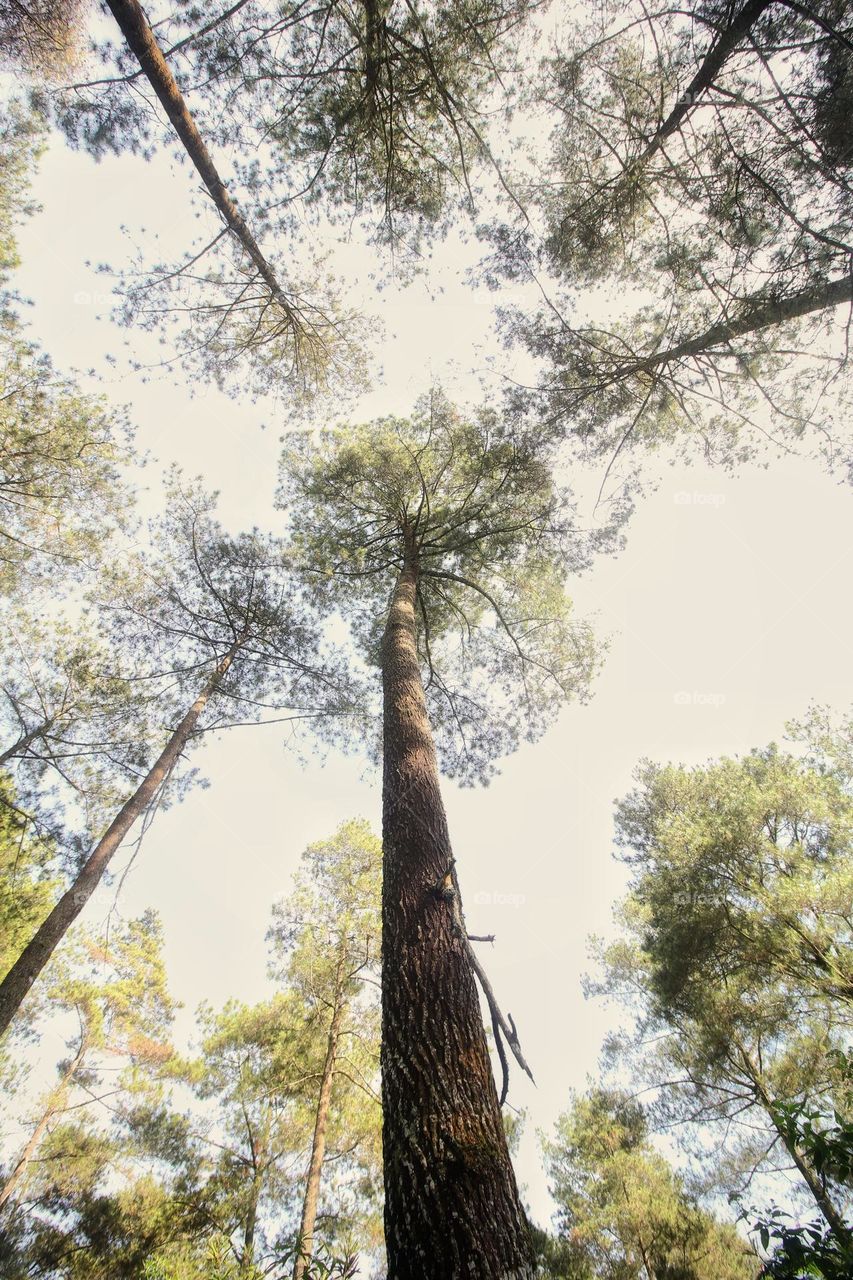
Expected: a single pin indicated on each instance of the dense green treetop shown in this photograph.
(736, 945)
(743, 867)
(493, 539)
(623, 1209)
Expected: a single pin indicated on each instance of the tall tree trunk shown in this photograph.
(247, 1258)
(41, 946)
(54, 1105)
(451, 1202)
(130, 17)
(305, 1243)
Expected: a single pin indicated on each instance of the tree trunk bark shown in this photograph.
(130, 17)
(452, 1208)
(765, 313)
(41, 946)
(247, 1258)
(305, 1242)
(38, 1133)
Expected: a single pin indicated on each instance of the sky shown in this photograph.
(726, 614)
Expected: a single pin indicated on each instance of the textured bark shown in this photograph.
(305, 1243)
(134, 26)
(247, 1259)
(54, 1106)
(451, 1202)
(41, 946)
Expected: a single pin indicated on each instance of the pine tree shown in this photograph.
(220, 624)
(459, 526)
(736, 948)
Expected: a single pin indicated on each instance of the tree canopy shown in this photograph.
(736, 932)
(494, 538)
(624, 1209)
(697, 182)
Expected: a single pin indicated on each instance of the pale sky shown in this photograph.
(728, 611)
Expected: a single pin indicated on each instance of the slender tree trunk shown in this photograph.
(37, 1134)
(130, 17)
(41, 946)
(762, 314)
(305, 1243)
(24, 741)
(451, 1202)
(247, 1259)
(721, 49)
(798, 1156)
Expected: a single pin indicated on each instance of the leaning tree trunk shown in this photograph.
(801, 1160)
(452, 1208)
(54, 1106)
(26, 740)
(722, 48)
(305, 1242)
(763, 313)
(42, 945)
(131, 18)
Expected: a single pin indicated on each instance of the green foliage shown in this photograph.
(21, 142)
(493, 538)
(201, 1171)
(177, 609)
(622, 1211)
(76, 728)
(108, 998)
(802, 1251)
(329, 925)
(750, 875)
(797, 1249)
(704, 200)
(373, 113)
(325, 938)
(736, 951)
(42, 37)
(61, 495)
(377, 109)
(26, 882)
